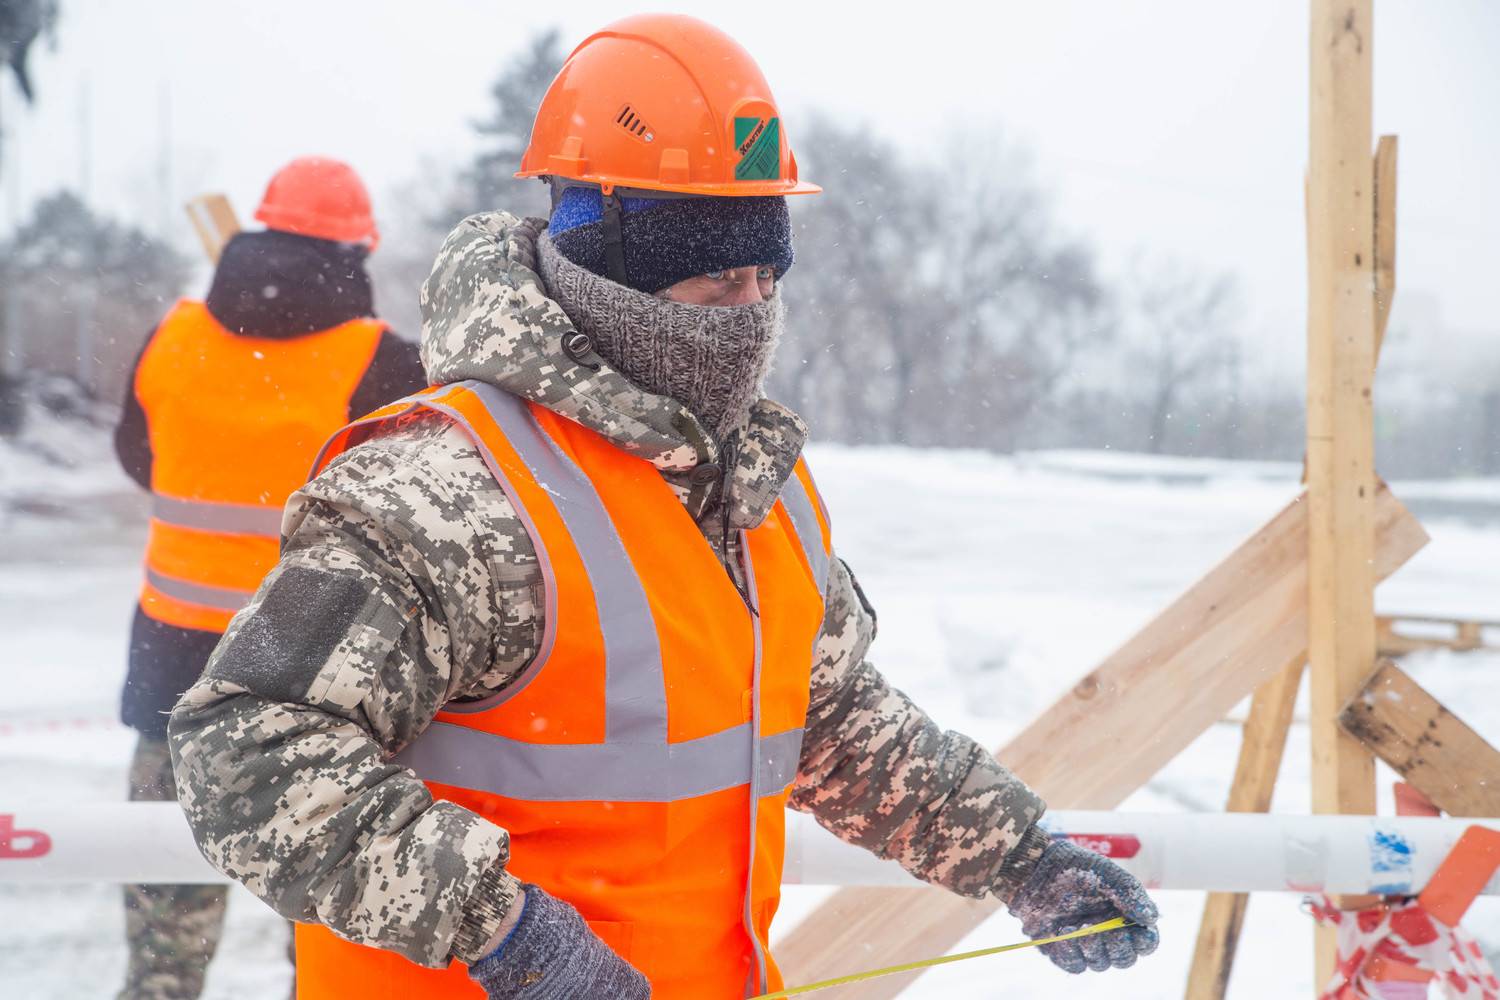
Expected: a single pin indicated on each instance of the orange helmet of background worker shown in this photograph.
(320, 197)
(663, 102)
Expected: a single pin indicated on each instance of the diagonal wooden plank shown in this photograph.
(1426, 744)
(215, 222)
(1106, 737)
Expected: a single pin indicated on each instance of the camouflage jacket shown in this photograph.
(407, 580)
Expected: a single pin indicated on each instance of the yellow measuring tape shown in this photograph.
(928, 963)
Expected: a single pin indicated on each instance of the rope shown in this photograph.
(928, 963)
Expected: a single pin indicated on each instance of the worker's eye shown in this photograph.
(765, 273)
(714, 275)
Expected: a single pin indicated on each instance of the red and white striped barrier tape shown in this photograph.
(21, 727)
(1392, 952)
(1395, 950)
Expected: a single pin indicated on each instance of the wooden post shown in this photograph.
(1340, 424)
(1468, 636)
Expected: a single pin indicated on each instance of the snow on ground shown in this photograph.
(61, 459)
(998, 582)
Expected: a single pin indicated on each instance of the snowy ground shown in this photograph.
(998, 582)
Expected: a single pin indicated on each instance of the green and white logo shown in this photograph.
(759, 143)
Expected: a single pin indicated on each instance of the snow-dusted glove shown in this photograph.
(552, 955)
(1072, 887)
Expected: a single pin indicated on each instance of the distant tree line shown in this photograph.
(78, 294)
(931, 305)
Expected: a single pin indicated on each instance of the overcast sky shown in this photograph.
(1173, 128)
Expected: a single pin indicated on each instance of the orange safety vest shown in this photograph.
(641, 763)
(234, 424)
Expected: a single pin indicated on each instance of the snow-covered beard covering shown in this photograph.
(711, 359)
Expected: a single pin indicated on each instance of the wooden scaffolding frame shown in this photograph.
(1300, 592)
(1351, 245)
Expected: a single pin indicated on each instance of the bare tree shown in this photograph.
(927, 307)
(489, 182)
(21, 23)
(412, 221)
(1180, 337)
(427, 210)
(1023, 300)
(856, 301)
(80, 293)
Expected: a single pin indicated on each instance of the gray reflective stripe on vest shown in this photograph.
(799, 507)
(218, 598)
(226, 518)
(601, 772)
(635, 686)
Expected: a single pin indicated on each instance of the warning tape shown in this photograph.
(928, 963)
(20, 726)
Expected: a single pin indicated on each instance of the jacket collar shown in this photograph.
(279, 285)
(487, 316)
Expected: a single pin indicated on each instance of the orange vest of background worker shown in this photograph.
(641, 764)
(229, 401)
(233, 421)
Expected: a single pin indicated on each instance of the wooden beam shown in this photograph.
(1469, 636)
(1340, 422)
(1107, 736)
(1461, 624)
(1429, 746)
(214, 219)
(1255, 773)
(1466, 634)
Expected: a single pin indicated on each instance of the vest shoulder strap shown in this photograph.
(804, 507)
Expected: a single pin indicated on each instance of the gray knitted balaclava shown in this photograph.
(711, 359)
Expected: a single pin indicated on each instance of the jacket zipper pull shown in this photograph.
(744, 567)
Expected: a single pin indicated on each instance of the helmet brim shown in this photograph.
(730, 189)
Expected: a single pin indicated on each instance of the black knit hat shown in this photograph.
(669, 239)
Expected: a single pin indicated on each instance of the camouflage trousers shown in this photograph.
(172, 930)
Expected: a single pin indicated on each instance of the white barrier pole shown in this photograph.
(1219, 852)
(114, 842)
(1215, 852)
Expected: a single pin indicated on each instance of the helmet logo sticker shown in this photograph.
(758, 141)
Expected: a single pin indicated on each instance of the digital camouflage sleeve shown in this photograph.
(879, 773)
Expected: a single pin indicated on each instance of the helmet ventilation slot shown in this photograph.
(632, 123)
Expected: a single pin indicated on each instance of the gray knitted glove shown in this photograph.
(1072, 887)
(552, 955)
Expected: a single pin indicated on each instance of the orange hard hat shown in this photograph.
(663, 102)
(321, 197)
